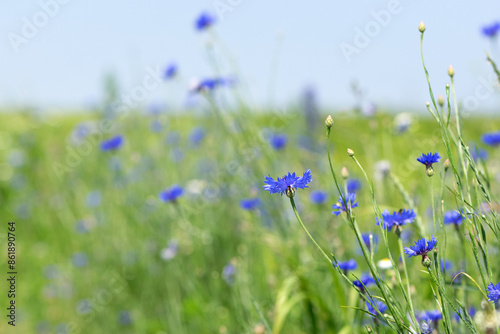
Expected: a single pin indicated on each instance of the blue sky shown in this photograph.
(276, 48)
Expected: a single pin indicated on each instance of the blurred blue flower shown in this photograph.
(421, 247)
(493, 292)
(156, 126)
(433, 315)
(51, 271)
(477, 153)
(366, 240)
(491, 30)
(339, 207)
(278, 141)
(112, 143)
(250, 203)
(124, 318)
(197, 135)
(380, 306)
(170, 251)
(229, 273)
(318, 196)
(428, 159)
(83, 307)
(446, 265)
(170, 71)
(171, 194)
(288, 181)
(80, 259)
(491, 139)
(204, 21)
(173, 138)
(93, 199)
(453, 217)
(353, 185)
(346, 265)
(397, 218)
(472, 312)
(209, 84)
(176, 155)
(366, 280)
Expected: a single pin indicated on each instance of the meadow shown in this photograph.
(160, 222)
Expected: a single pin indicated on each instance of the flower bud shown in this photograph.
(345, 173)
(426, 261)
(430, 171)
(290, 192)
(441, 100)
(451, 71)
(421, 27)
(447, 164)
(329, 121)
(350, 152)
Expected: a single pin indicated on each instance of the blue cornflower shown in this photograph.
(278, 141)
(209, 84)
(428, 159)
(422, 247)
(453, 217)
(380, 306)
(472, 312)
(433, 315)
(287, 183)
(197, 135)
(477, 153)
(249, 203)
(204, 21)
(112, 143)
(491, 139)
(353, 185)
(446, 265)
(171, 194)
(366, 240)
(493, 292)
(229, 272)
(366, 280)
(397, 218)
(318, 197)
(350, 201)
(170, 71)
(491, 30)
(346, 265)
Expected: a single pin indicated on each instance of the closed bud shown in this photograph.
(329, 121)
(451, 71)
(421, 27)
(290, 192)
(350, 152)
(441, 100)
(426, 261)
(430, 171)
(345, 173)
(447, 164)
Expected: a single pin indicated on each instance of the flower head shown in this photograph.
(366, 239)
(318, 196)
(477, 153)
(288, 182)
(346, 265)
(353, 185)
(196, 135)
(170, 71)
(428, 159)
(453, 217)
(421, 247)
(493, 292)
(112, 143)
(379, 306)
(204, 21)
(433, 315)
(229, 272)
(278, 141)
(339, 207)
(491, 30)
(397, 218)
(171, 194)
(491, 139)
(249, 203)
(365, 281)
(209, 84)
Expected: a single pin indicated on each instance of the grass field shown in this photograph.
(97, 250)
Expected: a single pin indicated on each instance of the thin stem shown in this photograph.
(307, 232)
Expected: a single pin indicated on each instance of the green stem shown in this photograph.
(307, 232)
